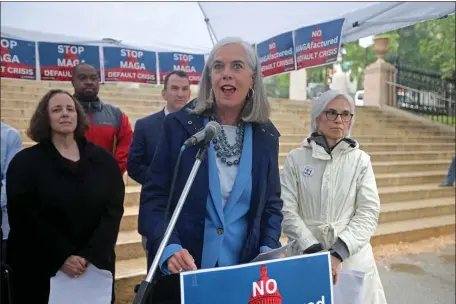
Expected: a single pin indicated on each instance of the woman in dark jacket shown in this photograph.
(233, 209)
(65, 201)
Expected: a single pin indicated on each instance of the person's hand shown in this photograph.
(181, 261)
(335, 262)
(74, 266)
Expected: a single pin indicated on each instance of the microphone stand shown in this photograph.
(145, 287)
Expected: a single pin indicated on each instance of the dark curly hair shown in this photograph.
(40, 127)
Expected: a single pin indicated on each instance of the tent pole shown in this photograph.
(209, 26)
(360, 22)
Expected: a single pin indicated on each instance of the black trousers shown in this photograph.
(5, 279)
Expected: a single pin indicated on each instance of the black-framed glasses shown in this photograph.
(332, 115)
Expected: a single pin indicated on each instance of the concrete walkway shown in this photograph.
(420, 277)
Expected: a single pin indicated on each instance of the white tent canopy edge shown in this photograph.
(252, 21)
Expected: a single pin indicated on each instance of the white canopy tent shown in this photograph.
(181, 26)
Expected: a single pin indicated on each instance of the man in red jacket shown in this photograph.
(109, 126)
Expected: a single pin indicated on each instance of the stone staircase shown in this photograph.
(410, 159)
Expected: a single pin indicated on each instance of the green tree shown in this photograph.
(277, 86)
(429, 45)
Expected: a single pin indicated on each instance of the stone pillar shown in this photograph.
(340, 81)
(298, 85)
(377, 91)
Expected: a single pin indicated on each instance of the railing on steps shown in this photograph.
(425, 94)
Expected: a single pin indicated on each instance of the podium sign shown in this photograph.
(305, 279)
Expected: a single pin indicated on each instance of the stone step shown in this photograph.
(111, 87)
(410, 166)
(396, 211)
(37, 93)
(130, 218)
(369, 129)
(129, 244)
(413, 230)
(396, 156)
(409, 178)
(132, 194)
(129, 181)
(30, 103)
(378, 147)
(408, 210)
(425, 156)
(364, 139)
(129, 273)
(21, 123)
(388, 194)
(397, 194)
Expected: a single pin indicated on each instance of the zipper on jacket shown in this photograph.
(91, 122)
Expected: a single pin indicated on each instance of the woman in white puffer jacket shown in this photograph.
(330, 195)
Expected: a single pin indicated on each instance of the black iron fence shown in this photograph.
(425, 93)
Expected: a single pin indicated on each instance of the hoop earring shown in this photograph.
(250, 94)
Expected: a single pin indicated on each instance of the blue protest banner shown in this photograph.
(192, 64)
(276, 54)
(303, 279)
(58, 59)
(129, 65)
(18, 59)
(318, 44)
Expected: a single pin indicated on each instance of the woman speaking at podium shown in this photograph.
(330, 195)
(233, 209)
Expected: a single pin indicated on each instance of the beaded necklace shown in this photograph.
(224, 150)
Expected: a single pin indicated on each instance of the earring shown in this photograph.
(250, 94)
(212, 95)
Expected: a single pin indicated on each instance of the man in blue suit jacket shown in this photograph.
(177, 93)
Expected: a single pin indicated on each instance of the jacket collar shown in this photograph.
(96, 105)
(321, 149)
(86, 150)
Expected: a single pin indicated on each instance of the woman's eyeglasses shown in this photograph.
(332, 115)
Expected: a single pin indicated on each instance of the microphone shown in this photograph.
(211, 130)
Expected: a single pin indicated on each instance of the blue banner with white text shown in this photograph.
(304, 279)
(18, 59)
(318, 44)
(129, 65)
(276, 54)
(192, 64)
(58, 59)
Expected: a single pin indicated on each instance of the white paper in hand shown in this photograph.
(349, 287)
(273, 254)
(93, 287)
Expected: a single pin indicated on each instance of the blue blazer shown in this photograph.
(264, 217)
(143, 146)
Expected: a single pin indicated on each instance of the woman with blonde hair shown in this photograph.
(330, 195)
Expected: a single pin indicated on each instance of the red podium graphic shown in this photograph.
(265, 291)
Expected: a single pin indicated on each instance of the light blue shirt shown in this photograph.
(10, 144)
